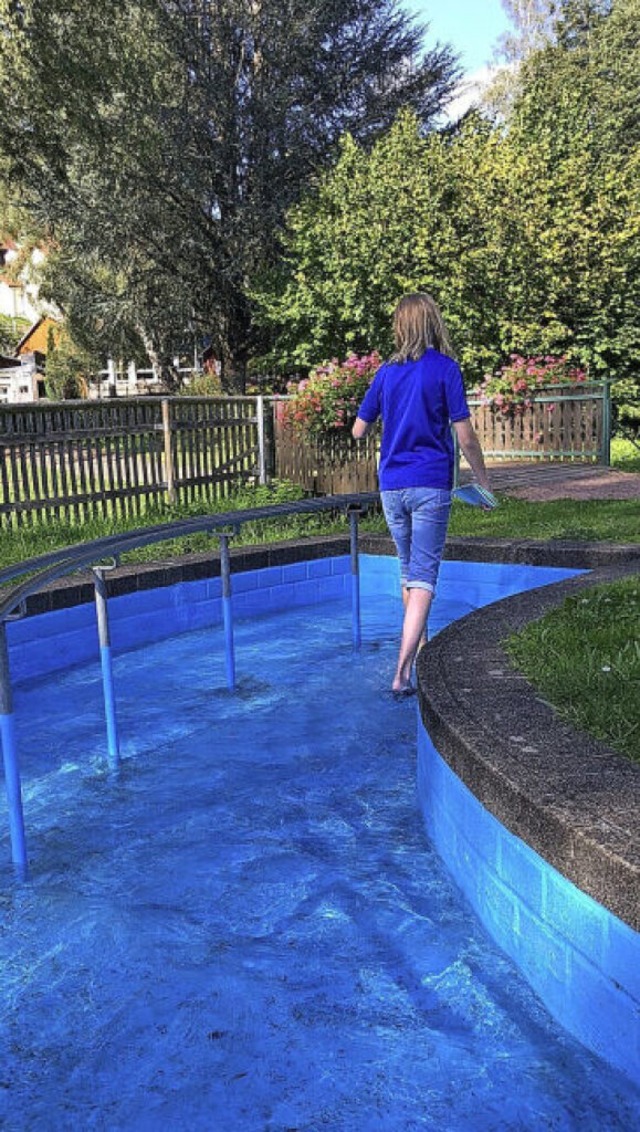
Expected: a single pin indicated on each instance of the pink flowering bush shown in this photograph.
(513, 387)
(329, 398)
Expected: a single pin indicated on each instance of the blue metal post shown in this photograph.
(10, 760)
(355, 578)
(227, 612)
(113, 745)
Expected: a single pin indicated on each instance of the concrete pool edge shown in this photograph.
(538, 823)
(565, 795)
(576, 554)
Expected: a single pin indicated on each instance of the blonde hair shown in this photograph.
(418, 324)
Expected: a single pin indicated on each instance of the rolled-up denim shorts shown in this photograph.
(417, 518)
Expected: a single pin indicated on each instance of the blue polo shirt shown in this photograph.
(417, 402)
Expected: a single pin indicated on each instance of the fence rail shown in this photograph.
(84, 459)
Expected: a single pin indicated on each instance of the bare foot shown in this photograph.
(402, 691)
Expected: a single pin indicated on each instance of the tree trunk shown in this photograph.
(233, 371)
(233, 346)
(164, 367)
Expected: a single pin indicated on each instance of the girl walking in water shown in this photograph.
(419, 394)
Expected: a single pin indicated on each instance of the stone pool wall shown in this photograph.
(538, 823)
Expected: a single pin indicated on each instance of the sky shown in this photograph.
(470, 26)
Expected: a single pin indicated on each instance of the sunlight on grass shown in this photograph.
(625, 455)
(609, 520)
(584, 658)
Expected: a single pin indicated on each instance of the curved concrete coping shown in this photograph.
(568, 796)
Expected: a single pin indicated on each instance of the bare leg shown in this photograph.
(423, 638)
(416, 611)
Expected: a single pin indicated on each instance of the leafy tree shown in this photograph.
(415, 213)
(166, 138)
(68, 368)
(526, 231)
(576, 158)
(11, 331)
(532, 27)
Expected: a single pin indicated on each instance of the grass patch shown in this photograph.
(625, 455)
(584, 658)
(614, 520)
(598, 520)
(29, 542)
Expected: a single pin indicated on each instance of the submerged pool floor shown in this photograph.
(247, 930)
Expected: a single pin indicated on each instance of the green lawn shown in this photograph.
(584, 658)
(28, 542)
(612, 520)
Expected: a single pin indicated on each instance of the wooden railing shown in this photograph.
(79, 459)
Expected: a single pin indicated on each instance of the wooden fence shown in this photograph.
(79, 459)
(564, 423)
(331, 465)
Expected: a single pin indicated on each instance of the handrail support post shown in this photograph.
(227, 611)
(106, 664)
(354, 512)
(10, 760)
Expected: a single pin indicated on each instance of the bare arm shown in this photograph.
(472, 451)
(360, 428)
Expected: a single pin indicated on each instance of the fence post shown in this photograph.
(262, 459)
(270, 437)
(168, 450)
(606, 422)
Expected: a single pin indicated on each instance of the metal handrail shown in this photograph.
(49, 567)
(71, 558)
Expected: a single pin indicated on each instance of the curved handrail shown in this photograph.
(50, 567)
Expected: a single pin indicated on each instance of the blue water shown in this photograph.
(247, 930)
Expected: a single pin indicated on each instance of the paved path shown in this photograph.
(557, 480)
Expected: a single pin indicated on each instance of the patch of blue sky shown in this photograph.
(471, 27)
